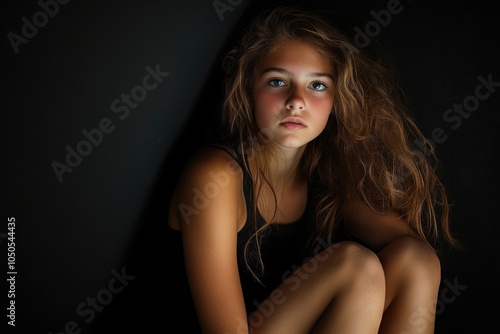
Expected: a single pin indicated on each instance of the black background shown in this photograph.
(109, 213)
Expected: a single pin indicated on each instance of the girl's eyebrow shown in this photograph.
(286, 72)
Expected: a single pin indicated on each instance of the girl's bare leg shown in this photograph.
(340, 290)
(413, 273)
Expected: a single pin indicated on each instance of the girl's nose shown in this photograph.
(295, 102)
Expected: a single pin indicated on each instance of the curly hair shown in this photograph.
(367, 151)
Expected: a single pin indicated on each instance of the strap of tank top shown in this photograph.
(229, 151)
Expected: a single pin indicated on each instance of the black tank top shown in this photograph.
(283, 248)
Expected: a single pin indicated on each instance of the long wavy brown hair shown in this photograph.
(368, 149)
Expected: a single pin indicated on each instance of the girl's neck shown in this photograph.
(282, 192)
(282, 166)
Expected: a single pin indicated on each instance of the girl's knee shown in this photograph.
(412, 258)
(359, 264)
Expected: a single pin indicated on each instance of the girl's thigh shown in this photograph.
(340, 283)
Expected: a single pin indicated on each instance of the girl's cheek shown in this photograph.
(324, 104)
(268, 98)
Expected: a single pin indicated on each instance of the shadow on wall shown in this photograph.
(155, 251)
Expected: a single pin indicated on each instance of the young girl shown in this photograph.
(317, 213)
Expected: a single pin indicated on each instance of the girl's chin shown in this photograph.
(290, 144)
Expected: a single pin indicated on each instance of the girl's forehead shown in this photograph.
(295, 54)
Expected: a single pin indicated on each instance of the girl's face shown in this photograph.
(293, 94)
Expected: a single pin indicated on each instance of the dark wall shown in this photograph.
(104, 101)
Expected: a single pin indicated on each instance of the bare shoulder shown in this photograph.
(208, 207)
(211, 178)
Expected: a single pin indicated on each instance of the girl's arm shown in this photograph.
(207, 207)
(375, 230)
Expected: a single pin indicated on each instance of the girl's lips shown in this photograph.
(292, 125)
(293, 119)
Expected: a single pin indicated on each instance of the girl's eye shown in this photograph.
(318, 86)
(276, 83)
